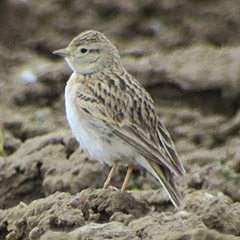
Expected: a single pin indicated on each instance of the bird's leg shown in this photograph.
(108, 180)
(129, 171)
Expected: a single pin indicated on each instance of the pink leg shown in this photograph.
(108, 180)
(125, 183)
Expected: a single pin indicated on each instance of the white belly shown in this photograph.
(92, 138)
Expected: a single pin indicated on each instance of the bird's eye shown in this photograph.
(83, 50)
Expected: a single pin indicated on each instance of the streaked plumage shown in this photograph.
(112, 116)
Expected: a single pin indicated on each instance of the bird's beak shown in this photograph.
(62, 52)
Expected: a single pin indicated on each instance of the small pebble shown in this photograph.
(28, 76)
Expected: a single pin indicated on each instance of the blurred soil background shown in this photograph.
(187, 54)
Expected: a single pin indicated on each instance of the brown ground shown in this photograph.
(187, 55)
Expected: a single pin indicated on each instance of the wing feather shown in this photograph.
(126, 108)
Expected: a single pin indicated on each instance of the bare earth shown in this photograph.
(186, 53)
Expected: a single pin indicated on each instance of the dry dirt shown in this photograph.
(187, 54)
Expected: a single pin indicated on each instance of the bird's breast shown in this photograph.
(93, 136)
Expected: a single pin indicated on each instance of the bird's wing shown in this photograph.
(126, 108)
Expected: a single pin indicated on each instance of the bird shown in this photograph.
(113, 117)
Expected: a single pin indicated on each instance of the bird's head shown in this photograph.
(89, 52)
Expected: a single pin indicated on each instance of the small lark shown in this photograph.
(113, 117)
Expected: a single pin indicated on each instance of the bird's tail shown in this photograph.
(165, 178)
